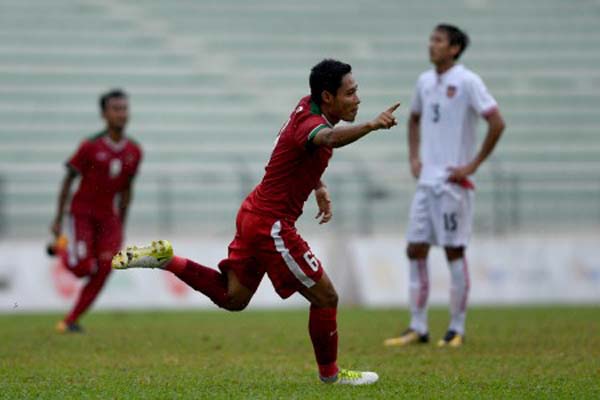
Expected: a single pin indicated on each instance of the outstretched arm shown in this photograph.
(65, 189)
(342, 135)
(495, 128)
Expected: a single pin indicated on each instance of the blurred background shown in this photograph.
(211, 83)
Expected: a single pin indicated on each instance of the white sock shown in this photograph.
(459, 291)
(418, 294)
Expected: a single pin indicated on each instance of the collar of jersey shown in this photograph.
(315, 109)
(446, 73)
(114, 146)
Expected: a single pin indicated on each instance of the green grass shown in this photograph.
(534, 353)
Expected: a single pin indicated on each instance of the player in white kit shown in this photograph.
(449, 100)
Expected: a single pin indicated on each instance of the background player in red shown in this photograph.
(107, 163)
(266, 240)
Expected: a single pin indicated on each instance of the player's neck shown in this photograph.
(444, 66)
(329, 117)
(114, 135)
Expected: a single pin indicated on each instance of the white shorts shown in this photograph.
(441, 215)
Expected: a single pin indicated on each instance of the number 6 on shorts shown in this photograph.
(311, 260)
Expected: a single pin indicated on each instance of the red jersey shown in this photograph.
(295, 167)
(106, 169)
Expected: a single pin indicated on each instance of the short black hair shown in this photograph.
(111, 94)
(327, 75)
(456, 37)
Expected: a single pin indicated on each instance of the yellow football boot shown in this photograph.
(156, 255)
(407, 337)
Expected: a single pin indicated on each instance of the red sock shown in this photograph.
(205, 280)
(322, 326)
(90, 291)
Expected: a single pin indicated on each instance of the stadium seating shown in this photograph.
(211, 83)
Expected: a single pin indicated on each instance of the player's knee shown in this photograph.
(416, 251)
(332, 299)
(236, 301)
(410, 251)
(454, 253)
(236, 304)
(328, 298)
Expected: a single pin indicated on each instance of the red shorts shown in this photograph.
(91, 240)
(272, 246)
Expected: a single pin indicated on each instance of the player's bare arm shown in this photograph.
(324, 204)
(343, 135)
(414, 139)
(70, 176)
(496, 126)
(125, 200)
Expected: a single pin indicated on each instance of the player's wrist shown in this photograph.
(372, 125)
(474, 166)
(320, 185)
(321, 193)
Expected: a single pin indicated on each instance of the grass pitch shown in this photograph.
(534, 353)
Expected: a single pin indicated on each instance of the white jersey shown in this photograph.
(450, 106)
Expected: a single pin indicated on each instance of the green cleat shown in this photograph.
(155, 255)
(354, 378)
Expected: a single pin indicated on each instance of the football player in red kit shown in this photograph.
(266, 240)
(106, 163)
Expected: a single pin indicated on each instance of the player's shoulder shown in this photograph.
(467, 75)
(426, 76)
(134, 147)
(94, 137)
(90, 141)
(134, 143)
(307, 107)
(308, 110)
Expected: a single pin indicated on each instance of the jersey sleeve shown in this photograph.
(479, 97)
(79, 162)
(307, 130)
(416, 104)
(138, 161)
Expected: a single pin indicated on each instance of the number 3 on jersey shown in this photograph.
(311, 260)
(435, 108)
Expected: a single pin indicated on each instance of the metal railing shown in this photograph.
(366, 201)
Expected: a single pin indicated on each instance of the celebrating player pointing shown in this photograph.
(266, 240)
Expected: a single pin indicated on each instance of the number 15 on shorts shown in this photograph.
(450, 223)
